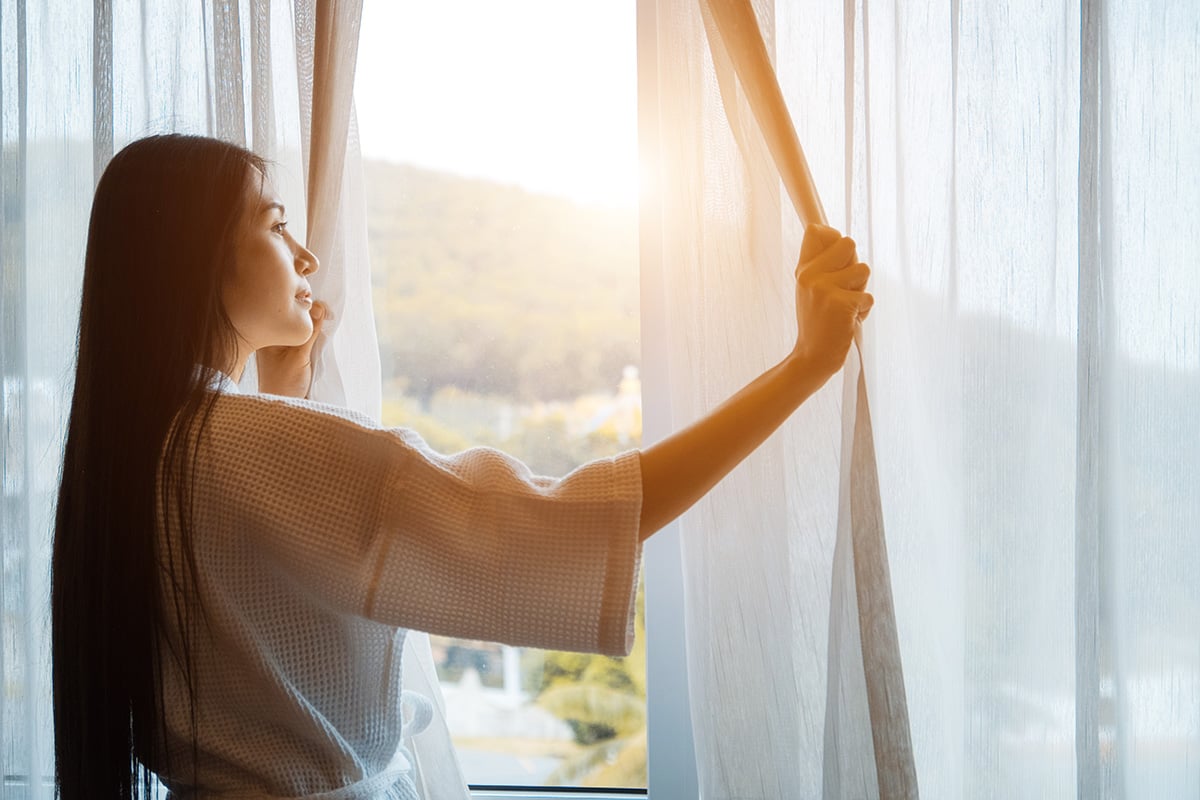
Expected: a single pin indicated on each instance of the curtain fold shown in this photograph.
(1034, 358)
(326, 36)
(867, 738)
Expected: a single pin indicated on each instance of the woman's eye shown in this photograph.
(279, 227)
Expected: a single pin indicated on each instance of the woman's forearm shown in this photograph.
(831, 301)
(678, 470)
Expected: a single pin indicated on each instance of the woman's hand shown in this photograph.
(830, 298)
(288, 370)
(830, 302)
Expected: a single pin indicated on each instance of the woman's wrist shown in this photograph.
(808, 371)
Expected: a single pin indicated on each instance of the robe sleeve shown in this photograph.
(375, 523)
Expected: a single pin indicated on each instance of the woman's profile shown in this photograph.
(234, 574)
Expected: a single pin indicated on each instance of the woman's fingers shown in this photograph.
(831, 297)
(834, 257)
(816, 238)
(853, 277)
(858, 302)
(823, 249)
(319, 313)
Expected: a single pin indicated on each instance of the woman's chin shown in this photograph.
(292, 337)
(300, 334)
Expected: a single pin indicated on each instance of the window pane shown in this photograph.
(500, 149)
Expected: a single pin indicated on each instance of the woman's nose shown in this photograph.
(306, 261)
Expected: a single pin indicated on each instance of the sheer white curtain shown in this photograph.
(79, 80)
(1023, 179)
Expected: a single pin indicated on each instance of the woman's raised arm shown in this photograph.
(830, 301)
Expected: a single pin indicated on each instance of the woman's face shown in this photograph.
(267, 297)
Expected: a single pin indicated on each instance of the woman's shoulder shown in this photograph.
(295, 425)
(280, 404)
(294, 408)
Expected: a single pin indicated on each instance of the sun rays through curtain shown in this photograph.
(1023, 179)
(78, 81)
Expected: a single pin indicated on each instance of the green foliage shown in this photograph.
(595, 711)
(615, 762)
(603, 699)
(494, 290)
(627, 675)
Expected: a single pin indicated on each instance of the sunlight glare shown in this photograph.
(538, 93)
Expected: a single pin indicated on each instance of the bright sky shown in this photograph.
(540, 93)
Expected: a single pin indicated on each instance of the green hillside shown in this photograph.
(494, 290)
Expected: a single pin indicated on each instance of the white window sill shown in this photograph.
(555, 794)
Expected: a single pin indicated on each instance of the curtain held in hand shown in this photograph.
(1019, 177)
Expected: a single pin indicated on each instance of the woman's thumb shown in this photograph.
(319, 313)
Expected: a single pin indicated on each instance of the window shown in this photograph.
(500, 163)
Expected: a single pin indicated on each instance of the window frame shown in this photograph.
(671, 764)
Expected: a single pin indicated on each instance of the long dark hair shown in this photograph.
(164, 222)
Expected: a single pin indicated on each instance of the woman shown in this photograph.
(233, 575)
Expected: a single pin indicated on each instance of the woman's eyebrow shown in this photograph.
(274, 204)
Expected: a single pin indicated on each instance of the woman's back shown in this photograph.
(319, 537)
